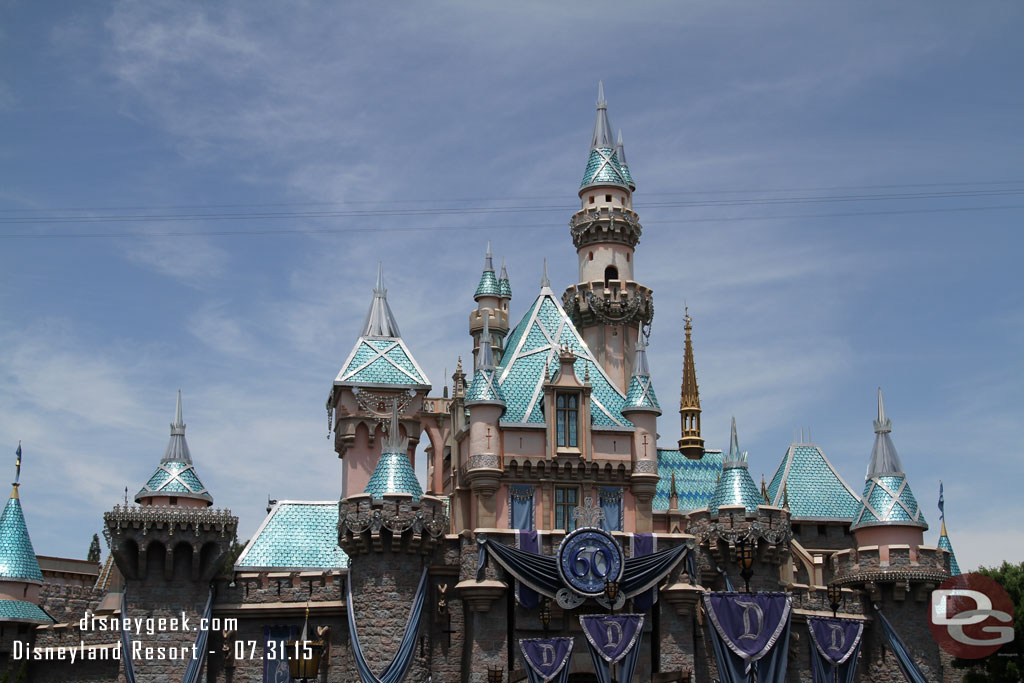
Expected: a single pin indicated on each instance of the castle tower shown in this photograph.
(169, 548)
(379, 372)
(642, 409)
(607, 306)
(691, 444)
(20, 577)
(486, 404)
(492, 298)
(735, 487)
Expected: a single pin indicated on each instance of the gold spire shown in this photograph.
(673, 497)
(692, 444)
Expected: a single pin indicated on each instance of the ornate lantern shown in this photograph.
(545, 614)
(304, 654)
(835, 597)
(611, 590)
(495, 674)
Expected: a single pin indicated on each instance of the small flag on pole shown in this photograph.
(17, 465)
(942, 505)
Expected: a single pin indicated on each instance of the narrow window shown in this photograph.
(173, 500)
(590, 256)
(591, 199)
(566, 419)
(608, 198)
(565, 503)
(627, 257)
(610, 273)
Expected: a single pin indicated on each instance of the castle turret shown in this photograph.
(735, 486)
(486, 404)
(492, 297)
(691, 444)
(175, 481)
(607, 305)
(20, 577)
(379, 372)
(394, 473)
(642, 409)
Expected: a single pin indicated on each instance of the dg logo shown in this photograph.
(971, 616)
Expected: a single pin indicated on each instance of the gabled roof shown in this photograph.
(381, 361)
(532, 347)
(815, 490)
(695, 479)
(17, 558)
(22, 611)
(296, 535)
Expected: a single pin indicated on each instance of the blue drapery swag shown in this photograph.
(126, 642)
(547, 659)
(621, 652)
(910, 670)
(399, 666)
(199, 652)
(540, 572)
(520, 506)
(767, 652)
(526, 596)
(194, 666)
(836, 646)
(611, 505)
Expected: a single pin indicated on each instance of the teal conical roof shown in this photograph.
(488, 282)
(640, 396)
(176, 475)
(484, 388)
(954, 566)
(735, 487)
(620, 152)
(887, 499)
(504, 286)
(17, 558)
(394, 472)
(23, 612)
(603, 165)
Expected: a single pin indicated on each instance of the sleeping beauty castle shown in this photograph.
(557, 537)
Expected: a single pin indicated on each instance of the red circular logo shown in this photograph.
(971, 616)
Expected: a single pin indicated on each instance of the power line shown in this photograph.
(446, 228)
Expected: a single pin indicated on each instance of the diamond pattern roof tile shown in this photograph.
(488, 285)
(23, 612)
(695, 479)
(888, 500)
(175, 478)
(381, 361)
(735, 487)
(815, 489)
(394, 474)
(296, 535)
(603, 168)
(954, 566)
(17, 558)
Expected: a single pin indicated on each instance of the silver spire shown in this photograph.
(504, 271)
(544, 280)
(393, 442)
(602, 129)
(735, 456)
(884, 459)
(620, 150)
(640, 366)
(485, 355)
(177, 447)
(489, 258)
(380, 321)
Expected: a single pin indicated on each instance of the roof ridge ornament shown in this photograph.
(394, 442)
(602, 138)
(177, 448)
(882, 424)
(380, 321)
(544, 280)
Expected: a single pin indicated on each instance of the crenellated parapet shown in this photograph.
(609, 302)
(137, 531)
(721, 534)
(605, 224)
(903, 565)
(392, 523)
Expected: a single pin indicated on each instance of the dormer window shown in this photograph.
(567, 419)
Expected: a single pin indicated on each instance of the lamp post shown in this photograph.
(835, 597)
(495, 674)
(611, 594)
(545, 614)
(745, 558)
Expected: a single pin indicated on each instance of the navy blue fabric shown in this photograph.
(126, 638)
(526, 596)
(641, 573)
(771, 666)
(399, 666)
(547, 659)
(625, 667)
(834, 643)
(643, 545)
(275, 661)
(907, 665)
(521, 506)
(196, 665)
(611, 505)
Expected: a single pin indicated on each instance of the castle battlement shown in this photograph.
(893, 563)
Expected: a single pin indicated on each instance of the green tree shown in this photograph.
(94, 549)
(234, 551)
(1006, 665)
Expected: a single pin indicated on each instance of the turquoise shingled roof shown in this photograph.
(381, 361)
(484, 389)
(24, 612)
(488, 285)
(954, 566)
(17, 558)
(888, 500)
(735, 487)
(175, 479)
(603, 169)
(296, 535)
(393, 474)
(815, 489)
(534, 345)
(505, 287)
(695, 479)
(641, 394)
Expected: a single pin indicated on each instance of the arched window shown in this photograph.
(610, 273)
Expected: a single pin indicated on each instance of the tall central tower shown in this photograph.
(607, 305)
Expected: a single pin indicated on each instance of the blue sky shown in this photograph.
(767, 142)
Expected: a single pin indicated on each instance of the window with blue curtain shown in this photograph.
(520, 506)
(566, 419)
(611, 504)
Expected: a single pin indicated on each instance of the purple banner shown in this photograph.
(526, 539)
(644, 544)
(612, 636)
(836, 639)
(546, 656)
(749, 623)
